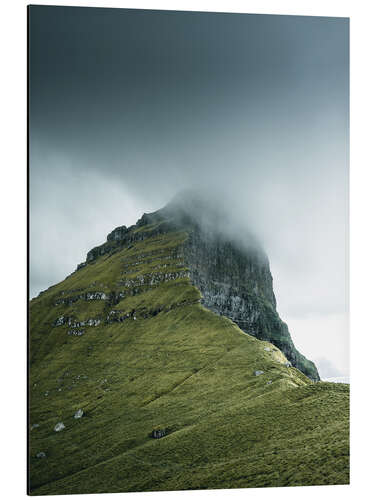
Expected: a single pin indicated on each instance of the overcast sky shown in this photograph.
(128, 107)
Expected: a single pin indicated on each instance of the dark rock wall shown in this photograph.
(238, 284)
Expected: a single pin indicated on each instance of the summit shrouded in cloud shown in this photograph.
(130, 107)
(162, 356)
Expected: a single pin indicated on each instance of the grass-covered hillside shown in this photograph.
(126, 340)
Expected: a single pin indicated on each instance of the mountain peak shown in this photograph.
(224, 262)
(166, 338)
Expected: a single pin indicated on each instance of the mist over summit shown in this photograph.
(228, 266)
(212, 212)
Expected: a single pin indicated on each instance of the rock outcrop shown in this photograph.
(59, 427)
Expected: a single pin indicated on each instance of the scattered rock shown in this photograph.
(158, 433)
(153, 279)
(269, 382)
(78, 413)
(59, 427)
(267, 349)
(78, 333)
(60, 321)
(96, 296)
(35, 426)
(71, 300)
(46, 393)
(258, 372)
(288, 364)
(93, 322)
(41, 454)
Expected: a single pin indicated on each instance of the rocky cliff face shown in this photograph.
(238, 285)
(233, 276)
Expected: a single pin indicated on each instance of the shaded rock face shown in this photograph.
(233, 277)
(228, 277)
(237, 283)
(117, 234)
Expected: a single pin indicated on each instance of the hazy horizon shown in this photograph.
(129, 107)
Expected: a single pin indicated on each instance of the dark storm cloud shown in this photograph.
(128, 107)
(137, 92)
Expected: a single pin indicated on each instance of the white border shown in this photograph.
(13, 244)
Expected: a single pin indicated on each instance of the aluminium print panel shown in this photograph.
(188, 250)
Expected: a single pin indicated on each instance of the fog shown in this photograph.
(128, 108)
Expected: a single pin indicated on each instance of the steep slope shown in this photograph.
(127, 340)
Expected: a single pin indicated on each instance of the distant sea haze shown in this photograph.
(338, 380)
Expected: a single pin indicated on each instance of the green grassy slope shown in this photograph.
(168, 364)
